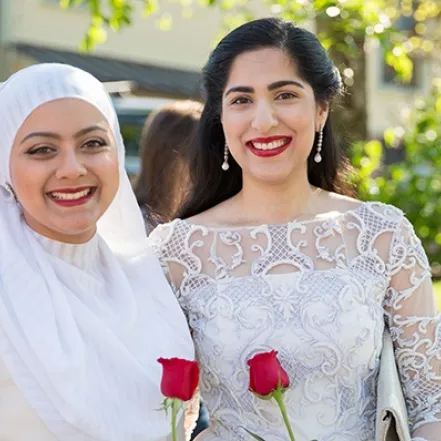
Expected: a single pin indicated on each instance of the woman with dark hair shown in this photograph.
(270, 252)
(164, 180)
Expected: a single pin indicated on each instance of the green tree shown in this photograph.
(414, 185)
(343, 26)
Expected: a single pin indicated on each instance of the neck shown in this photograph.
(58, 236)
(277, 203)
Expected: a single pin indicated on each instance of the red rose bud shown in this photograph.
(266, 374)
(180, 378)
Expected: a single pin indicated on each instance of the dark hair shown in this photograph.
(164, 179)
(211, 185)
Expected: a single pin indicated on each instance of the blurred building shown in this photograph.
(165, 64)
(156, 63)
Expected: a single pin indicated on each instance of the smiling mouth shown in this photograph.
(69, 196)
(270, 145)
(269, 148)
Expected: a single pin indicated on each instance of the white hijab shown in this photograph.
(85, 362)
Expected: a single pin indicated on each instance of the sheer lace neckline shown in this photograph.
(321, 217)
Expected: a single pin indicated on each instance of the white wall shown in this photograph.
(186, 45)
(386, 103)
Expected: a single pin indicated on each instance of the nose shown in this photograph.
(71, 166)
(264, 118)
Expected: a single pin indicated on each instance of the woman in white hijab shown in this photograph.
(85, 310)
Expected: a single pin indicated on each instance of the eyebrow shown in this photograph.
(272, 86)
(53, 135)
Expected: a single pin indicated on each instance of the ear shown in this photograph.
(321, 115)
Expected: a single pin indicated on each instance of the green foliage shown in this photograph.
(343, 26)
(110, 14)
(352, 20)
(413, 185)
(437, 288)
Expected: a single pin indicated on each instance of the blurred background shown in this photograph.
(150, 52)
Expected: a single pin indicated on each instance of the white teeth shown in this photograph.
(71, 196)
(269, 145)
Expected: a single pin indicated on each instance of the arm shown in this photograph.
(415, 325)
(160, 240)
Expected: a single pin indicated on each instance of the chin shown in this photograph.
(77, 228)
(272, 177)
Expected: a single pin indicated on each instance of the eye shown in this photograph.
(94, 143)
(241, 100)
(41, 151)
(286, 96)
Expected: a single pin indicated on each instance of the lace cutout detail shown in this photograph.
(319, 292)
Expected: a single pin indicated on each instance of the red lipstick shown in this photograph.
(267, 140)
(69, 191)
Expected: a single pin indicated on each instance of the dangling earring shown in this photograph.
(225, 165)
(318, 157)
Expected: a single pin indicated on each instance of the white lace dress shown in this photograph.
(319, 291)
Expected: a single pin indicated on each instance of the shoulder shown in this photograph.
(169, 237)
(386, 229)
(373, 219)
(165, 232)
(379, 213)
(380, 220)
(367, 213)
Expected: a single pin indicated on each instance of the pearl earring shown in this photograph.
(318, 157)
(225, 165)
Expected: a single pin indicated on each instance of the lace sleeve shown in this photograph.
(158, 239)
(415, 323)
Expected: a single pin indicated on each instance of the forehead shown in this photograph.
(262, 66)
(63, 116)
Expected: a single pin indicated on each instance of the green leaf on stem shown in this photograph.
(259, 438)
(263, 397)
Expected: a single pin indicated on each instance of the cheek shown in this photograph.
(235, 126)
(28, 179)
(106, 168)
(298, 117)
(104, 165)
(29, 183)
(235, 122)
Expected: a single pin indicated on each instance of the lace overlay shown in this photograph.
(318, 291)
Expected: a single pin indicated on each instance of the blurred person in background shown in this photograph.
(163, 181)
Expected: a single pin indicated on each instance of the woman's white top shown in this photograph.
(319, 291)
(18, 420)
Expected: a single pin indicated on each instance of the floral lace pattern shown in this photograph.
(320, 292)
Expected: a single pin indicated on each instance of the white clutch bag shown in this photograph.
(392, 420)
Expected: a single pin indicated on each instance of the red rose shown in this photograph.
(266, 374)
(180, 378)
